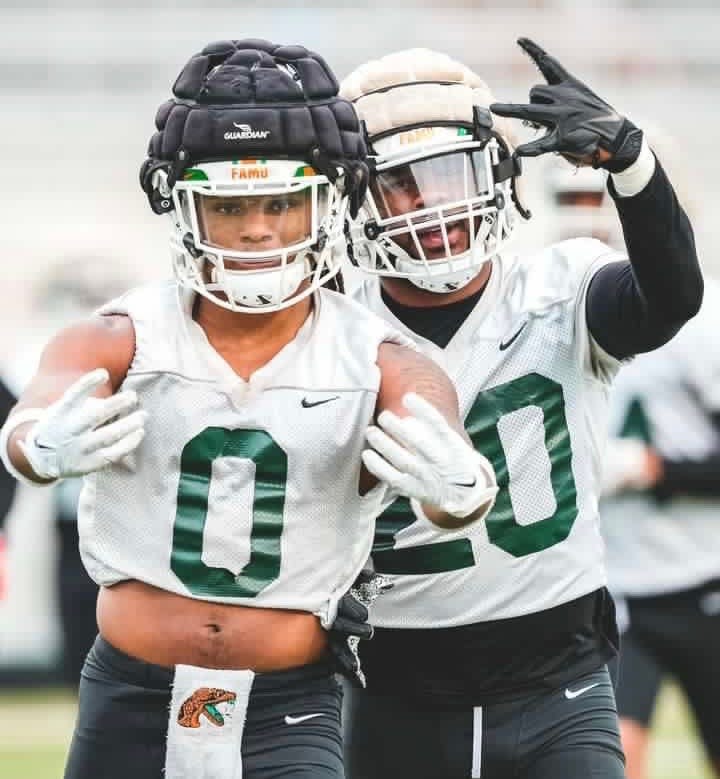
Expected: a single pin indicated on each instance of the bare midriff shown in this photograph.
(167, 629)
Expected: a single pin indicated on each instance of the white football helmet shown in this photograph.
(442, 199)
(255, 235)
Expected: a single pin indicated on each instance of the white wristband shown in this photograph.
(634, 179)
(11, 424)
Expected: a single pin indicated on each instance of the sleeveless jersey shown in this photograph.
(533, 392)
(665, 398)
(241, 492)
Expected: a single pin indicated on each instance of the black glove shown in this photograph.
(351, 624)
(579, 122)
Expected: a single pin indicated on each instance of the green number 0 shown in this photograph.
(196, 461)
(503, 528)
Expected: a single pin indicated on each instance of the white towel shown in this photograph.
(207, 718)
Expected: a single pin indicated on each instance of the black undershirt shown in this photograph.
(438, 324)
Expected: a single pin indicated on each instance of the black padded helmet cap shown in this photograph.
(246, 98)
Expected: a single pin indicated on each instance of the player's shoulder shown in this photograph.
(563, 263)
(366, 292)
(556, 273)
(350, 313)
(355, 328)
(154, 295)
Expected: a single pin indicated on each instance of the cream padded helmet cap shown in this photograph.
(413, 86)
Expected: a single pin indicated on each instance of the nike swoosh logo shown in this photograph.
(505, 344)
(290, 720)
(570, 694)
(305, 403)
(462, 484)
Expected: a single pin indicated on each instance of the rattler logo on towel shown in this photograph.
(204, 701)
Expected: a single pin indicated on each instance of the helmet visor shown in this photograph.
(429, 206)
(257, 222)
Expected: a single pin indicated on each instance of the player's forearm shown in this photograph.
(696, 478)
(636, 306)
(448, 521)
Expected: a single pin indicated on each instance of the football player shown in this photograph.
(662, 487)
(220, 420)
(660, 523)
(490, 650)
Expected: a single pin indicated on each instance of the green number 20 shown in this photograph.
(504, 531)
(196, 462)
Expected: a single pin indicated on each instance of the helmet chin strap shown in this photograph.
(447, 282)
(263, 288)
(443, 283)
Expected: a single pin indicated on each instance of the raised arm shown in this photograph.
(632, 306)
(68, 421)
(419, 445)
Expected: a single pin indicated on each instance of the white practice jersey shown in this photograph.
(533, 391)
(241, 492)
(665, 398)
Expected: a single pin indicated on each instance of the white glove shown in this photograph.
(75, 435)
(423, 458)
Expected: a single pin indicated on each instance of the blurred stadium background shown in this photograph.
(80, 81)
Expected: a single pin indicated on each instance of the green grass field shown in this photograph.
(35, 728)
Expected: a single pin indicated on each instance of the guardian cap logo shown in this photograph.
(246, 133)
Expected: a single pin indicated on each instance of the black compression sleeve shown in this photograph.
(636, 306)
(698, 478)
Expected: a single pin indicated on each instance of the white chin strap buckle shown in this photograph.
(258, 289)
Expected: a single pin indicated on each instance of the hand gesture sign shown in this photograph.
(581, 126)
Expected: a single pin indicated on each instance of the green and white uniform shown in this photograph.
(242, 492)
(533, 391)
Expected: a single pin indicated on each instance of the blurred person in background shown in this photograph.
(490, 648)
(661, 509)
(224, 518)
